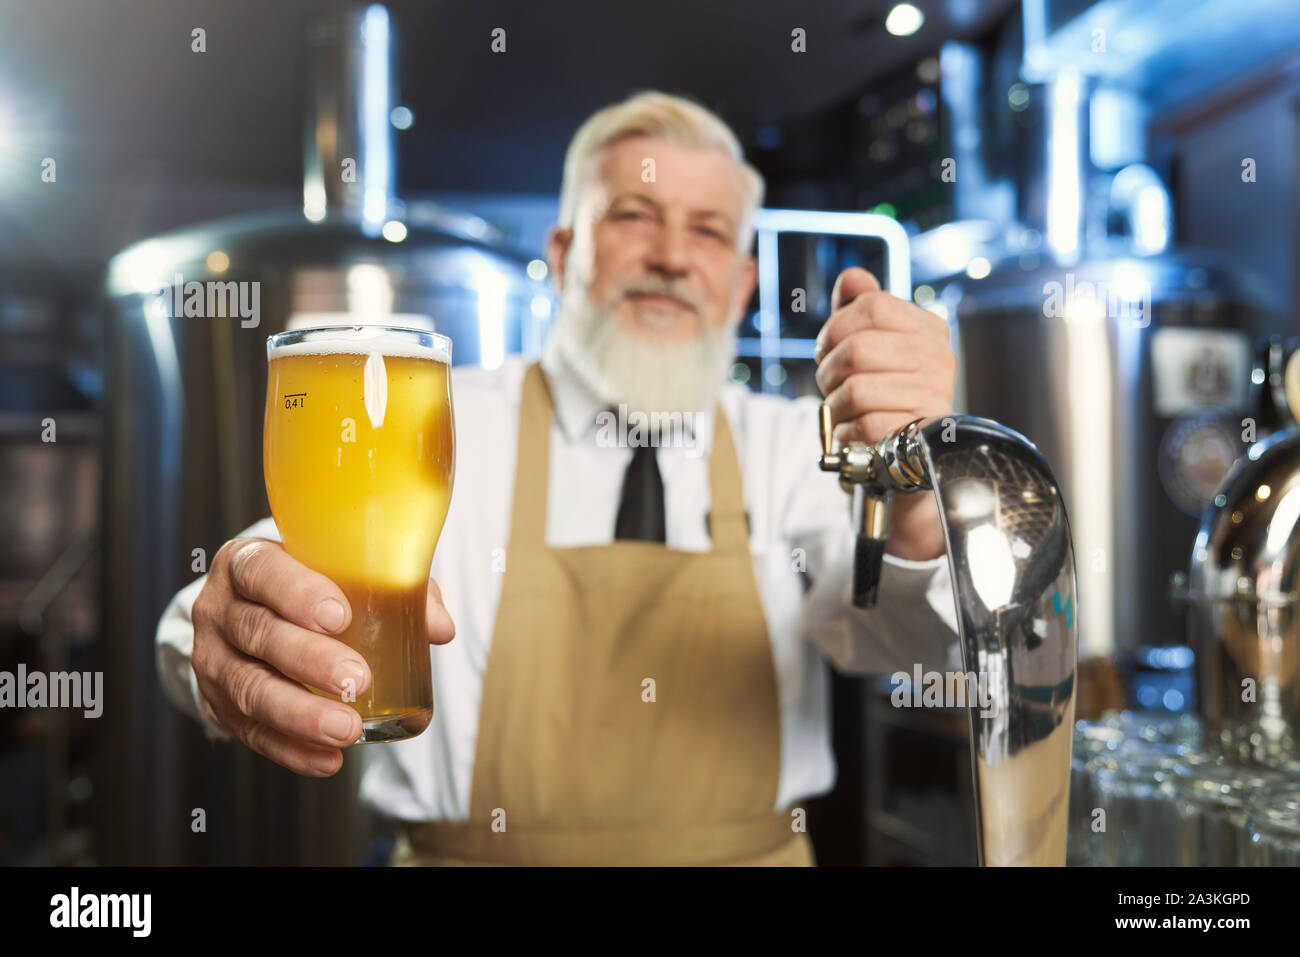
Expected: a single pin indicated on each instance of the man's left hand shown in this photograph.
(882, 362)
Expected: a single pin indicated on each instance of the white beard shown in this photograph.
(620, 367)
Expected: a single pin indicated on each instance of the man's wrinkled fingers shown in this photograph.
(297, 653)
(286, 751)
(256, 690)
(869, 350)
(851, 283)
(263, 572)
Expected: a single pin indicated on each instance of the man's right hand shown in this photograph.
(261, 625)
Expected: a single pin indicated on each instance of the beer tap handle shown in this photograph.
(830, 461)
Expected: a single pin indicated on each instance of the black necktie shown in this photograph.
(641, 510)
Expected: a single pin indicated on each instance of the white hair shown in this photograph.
(663, 116)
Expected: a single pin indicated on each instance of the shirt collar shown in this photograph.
(577, 406)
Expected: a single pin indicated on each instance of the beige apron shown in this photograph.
(581, 759)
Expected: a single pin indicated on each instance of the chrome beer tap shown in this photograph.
(1012, 563)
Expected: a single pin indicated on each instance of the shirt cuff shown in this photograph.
(929, 564)
(175, 648)
(927, 583)
(212, 727)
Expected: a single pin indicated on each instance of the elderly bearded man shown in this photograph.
(641, 670)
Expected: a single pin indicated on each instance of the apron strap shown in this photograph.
(536, 412)
(727, 521)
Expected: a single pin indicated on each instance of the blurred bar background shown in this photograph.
(1101, 198)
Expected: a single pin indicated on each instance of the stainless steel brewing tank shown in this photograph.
(185, 400)
(1133, 376)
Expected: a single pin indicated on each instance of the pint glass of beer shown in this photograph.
(358, 453)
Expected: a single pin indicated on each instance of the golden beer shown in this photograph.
(358, 453)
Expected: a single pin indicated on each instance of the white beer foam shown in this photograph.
(375, 379)
(365, 340)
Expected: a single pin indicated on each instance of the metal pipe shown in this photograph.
(349, 136)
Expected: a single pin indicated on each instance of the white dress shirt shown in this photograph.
(801, 540)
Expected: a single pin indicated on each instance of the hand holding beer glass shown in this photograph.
(358, 453)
